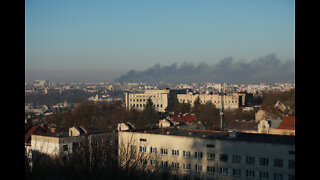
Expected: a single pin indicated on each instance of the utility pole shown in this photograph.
(221, 108)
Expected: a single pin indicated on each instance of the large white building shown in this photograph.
(202, 154)
(230, 101)
(160, 99)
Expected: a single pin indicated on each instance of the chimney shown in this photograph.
(52, 130)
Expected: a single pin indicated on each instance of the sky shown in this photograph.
(97, 40)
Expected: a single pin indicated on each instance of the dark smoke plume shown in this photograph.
(268, 69)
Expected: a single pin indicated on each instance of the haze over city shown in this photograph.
(225, 41)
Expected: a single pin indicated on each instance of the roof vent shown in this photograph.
(233, 134)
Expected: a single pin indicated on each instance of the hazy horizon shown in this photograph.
(107, 40)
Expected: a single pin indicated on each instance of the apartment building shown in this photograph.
(139, 100)
(203, 154)
(160, 99)
(77, 138)
(230, 101)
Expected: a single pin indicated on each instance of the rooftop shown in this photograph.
(222, 135)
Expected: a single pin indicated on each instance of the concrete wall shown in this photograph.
(195, 144)
(139, 100)
(230, 101)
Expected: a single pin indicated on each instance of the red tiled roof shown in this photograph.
(288, 122)
(33, 130)
(184, 118)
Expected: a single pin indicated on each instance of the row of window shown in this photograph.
(144, 100)
(222, 157)
(223, 171)
(186, 101)
(144, 105)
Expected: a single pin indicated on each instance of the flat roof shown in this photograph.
(222, 135)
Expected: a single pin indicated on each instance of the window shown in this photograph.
(198, 168)
(250, 160)
(277, 176)
(164, 164)
(65, 147)
(249, 174)
(164, 151)
(153, 162)
(292, 152)
(236, 159)
(175, 165)
(223, 157)
(198, 155)
(223, 171)
(187, 177)
(186, 166)
(143, 139)
(143, 161)
(236, 172)
(263, 175)
(210, 156)
(291, 177)
(186, 153)
(75, 146)
(133, 150)
(175, 152)
(278, 163)
(292, 163)
(143, 149)
(264, 161)
(153, 150)
(210, 169)
(210, 146)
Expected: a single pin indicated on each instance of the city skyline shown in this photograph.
(104, 40)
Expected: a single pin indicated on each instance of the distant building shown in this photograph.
(230, 101)
(281, 127)
(160, 99)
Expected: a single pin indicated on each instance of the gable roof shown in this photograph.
(33, 130)
(243, 125)
(184, 118)
(288, 122)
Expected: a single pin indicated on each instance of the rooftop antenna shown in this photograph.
(221, 108)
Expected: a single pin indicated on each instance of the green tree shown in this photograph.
(183, 108)
(149, 113)
(196, 105)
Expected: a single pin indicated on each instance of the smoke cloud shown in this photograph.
(268, 69)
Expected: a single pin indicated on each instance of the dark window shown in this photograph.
(75, 146)
(292, 163)
(264, 161)
(143, 139)
(65, 147)
(292, 152)
(278, 163)
(223, 157)
(236, 159)
(210, 146)
(250, 160)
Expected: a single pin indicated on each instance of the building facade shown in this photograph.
(161, 99)
(201, 154)
(138, 101)
(230, 101)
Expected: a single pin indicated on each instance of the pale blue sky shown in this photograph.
(101, 40)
